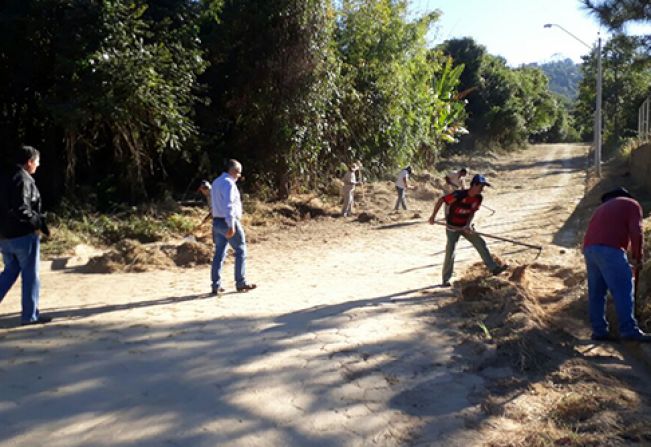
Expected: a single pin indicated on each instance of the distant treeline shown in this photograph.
(132, 99)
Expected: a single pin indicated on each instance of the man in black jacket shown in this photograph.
(20, 225)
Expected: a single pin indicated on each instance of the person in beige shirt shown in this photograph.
(455, 180)
(348, 190)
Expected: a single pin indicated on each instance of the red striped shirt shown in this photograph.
(462, 207)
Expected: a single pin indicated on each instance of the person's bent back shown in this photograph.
(615, 225)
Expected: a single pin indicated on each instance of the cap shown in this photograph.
(204, 184)
(617, 192)
(479, 179)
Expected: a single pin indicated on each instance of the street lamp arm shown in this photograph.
(549, 25)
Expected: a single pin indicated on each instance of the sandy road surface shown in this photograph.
(340, 346)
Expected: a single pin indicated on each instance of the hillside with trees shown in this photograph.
(564, 77)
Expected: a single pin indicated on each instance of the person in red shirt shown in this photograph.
(462, 206)
(615, 225)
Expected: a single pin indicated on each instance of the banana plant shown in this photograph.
(448, 106)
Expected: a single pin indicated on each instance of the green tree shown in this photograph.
(113, 79)
(537, 104)
(269, 85)
(506, 107)
(616, 14)
(626, 80)
(387, 82)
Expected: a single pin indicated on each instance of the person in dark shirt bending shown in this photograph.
(462, 206)
(615, 225)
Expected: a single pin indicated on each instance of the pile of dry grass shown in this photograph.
(367, 216)
(190, 254)
(309, 207)
(129, 256)
(427, 192)
(506, 312)
(132, 256)
(643, 302)
(576, 405)
(556, 397)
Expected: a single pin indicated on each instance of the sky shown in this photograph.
(514, 29)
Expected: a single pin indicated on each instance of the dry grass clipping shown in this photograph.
(129, 256)
(556, 397)
(190, 254)
(643, 302)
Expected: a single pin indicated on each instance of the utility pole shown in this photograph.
(597, 113)
(597, 124)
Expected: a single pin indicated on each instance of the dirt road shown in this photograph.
(341, 345)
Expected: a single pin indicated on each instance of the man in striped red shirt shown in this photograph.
(615, 226)
(462, 206)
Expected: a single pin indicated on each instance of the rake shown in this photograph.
(504, 239)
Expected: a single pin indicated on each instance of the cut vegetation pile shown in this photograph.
(510, 313)
(146, 239)
(129, 256)
(190, 254)
(643, 302)
(550, 394)
(132, 256)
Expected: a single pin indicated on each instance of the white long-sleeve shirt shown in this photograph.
(226, 202)
(400, 182)
(349, 180)
(456, 180)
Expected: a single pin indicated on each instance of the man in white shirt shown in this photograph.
(227, 229)
(402, 185)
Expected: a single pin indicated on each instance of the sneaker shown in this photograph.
(246, 287)
(42, 319)
(217, 292)
(499, 269)
(641, 337)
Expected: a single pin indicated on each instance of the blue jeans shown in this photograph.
(402, 200)
(21, 256)
(477, 242)
(238, 242)
(608, 269)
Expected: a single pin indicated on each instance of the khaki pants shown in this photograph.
(476, 240)
(348, 193)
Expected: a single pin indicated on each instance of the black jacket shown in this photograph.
(20, 204)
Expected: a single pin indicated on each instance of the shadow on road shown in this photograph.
(221, 381)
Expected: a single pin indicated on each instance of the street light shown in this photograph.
(597, 117)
